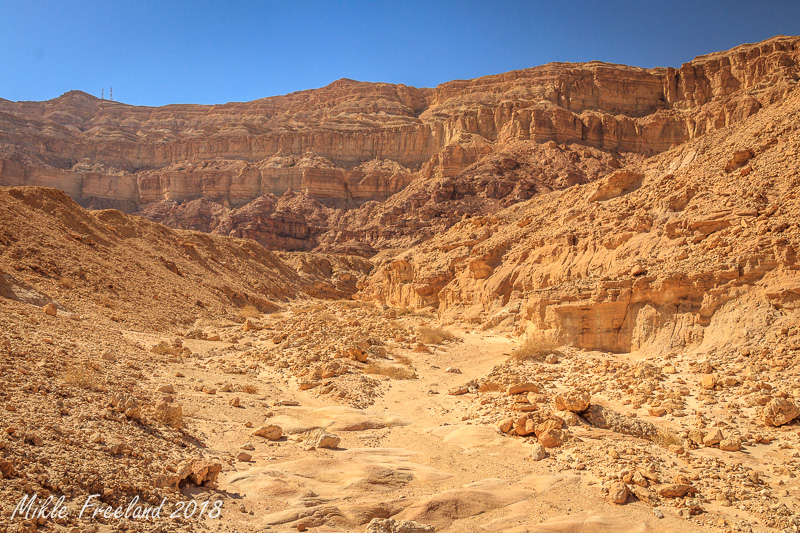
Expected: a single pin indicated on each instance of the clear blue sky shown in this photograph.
(160, 52)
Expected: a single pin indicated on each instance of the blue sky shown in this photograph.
(156, 53)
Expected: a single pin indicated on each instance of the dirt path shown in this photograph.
(410, 456)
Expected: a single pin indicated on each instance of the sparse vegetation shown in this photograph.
(353, 304)
(394, 372)
(666, 438)
(403, 359)
(428, 335)
(534, 349)
(327, 317)
(249, 389)
(249, 311)
(301, 310)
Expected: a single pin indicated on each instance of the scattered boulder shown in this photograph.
(271, 432)
(552, 438)
(170, 413)
(618, 492)
(319, 438)
(714, 436)
(50, 309)
(575, 401)
(505, 425)
(780, 411)
(731, 444)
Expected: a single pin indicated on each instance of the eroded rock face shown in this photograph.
(351, 144)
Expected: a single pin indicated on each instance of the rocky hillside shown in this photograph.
(288, 171)
(693, 248)
(129, 272)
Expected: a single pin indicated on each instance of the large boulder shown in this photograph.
(780, 411)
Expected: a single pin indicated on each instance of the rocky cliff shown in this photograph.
(351, 144)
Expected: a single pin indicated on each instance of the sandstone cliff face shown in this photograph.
(352, 142)
(694, 248)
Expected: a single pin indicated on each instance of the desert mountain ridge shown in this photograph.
(304, 171)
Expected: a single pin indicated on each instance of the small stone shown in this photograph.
(519, 388)
(452, 370)
(319, 438)
(538, 452)
(674, 490)
(244, 457)
(50, 309)
(34, 439)
(708, 381)
(167, 389)
(234, 402)
(271, 432)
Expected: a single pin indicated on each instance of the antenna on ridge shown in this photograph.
(102, 96)
(111, 94)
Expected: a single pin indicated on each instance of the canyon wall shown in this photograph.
(351, 142)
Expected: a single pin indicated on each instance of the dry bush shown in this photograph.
(249, 389)
(352, 304)
(327, 317)
(534, 349)
(490, 386)
(403, 359)
(249, 311)
(303, 309)
(428, 335)
(394, 372)
(81, 376)
(666, 438)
